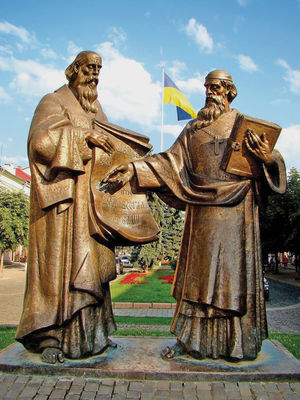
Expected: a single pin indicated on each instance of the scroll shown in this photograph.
(122, 216)
(237, 158)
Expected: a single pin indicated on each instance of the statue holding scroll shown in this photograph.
(71, 147)
(218, 282)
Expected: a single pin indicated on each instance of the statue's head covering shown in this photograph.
(219, 74)
(79, 60)
(226, 78)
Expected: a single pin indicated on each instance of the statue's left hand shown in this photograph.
(259, 147)
(100, 140)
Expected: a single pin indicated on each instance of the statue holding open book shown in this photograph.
(74, 224)
(218, 170)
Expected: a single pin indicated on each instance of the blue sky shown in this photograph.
(257, 42)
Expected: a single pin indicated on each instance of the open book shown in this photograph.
(119, 215)
(237, 158)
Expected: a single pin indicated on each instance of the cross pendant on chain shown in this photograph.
(216, 143)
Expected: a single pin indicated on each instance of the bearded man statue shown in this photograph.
(218, 283)
(67, 305)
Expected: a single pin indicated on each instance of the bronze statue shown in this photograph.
(218, 282)
(67, 305)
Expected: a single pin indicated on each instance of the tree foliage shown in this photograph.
(170, 222)
(14, 220)
(280, 223)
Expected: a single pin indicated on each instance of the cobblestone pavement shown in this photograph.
(24, 387)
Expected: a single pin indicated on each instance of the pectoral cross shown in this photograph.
(216, 141)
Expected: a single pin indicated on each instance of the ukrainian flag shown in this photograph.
(173, 95)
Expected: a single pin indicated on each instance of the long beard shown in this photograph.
(87, 95)
(209, 113)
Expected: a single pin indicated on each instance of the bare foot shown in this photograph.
(171, 352)
(51, 355)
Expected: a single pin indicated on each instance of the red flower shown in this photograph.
(168, 278)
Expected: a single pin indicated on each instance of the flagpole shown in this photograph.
(162, 109)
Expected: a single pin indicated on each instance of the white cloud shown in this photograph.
(289, 146)
(126, 89)
(73, 50)
(18, 31)
(48, 53)
(246, 63)
(280, 101)
(17, 160)
(4, 96)
(176, 68)
(31, 78)
(6, 49)
(242, 3)
(117, 35)
(173, 130)
(192, 85)
(200, 35)
(292, 76)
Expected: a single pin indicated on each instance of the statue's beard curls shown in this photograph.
(86, 88)
(214, 107)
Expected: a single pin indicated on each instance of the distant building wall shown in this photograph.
(15, 179)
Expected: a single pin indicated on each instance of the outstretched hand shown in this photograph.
(121, 175)
(259, 147)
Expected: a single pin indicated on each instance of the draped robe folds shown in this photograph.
(218, 281)
(67, 300)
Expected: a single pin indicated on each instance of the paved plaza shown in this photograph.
(24, 387)
(42, 387)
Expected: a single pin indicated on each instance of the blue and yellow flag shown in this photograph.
(173, 95)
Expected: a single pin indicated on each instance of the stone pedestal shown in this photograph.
(138, 358)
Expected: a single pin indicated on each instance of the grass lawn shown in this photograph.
(291, 342)
(143, 320)
(7, 336)
(155, 291)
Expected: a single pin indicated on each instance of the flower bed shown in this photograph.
(131, 278)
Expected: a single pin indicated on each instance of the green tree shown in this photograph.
(150, 252)
(14, 221)
(170, 222)
(172, 227)
(280, 223)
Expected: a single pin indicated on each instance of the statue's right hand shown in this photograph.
(120, 175)
(99, 140)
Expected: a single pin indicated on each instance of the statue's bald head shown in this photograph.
(225, 79)
(84, 57)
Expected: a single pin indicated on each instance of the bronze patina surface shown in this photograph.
(218, 282)
(67, 305)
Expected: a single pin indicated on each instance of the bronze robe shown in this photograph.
(67, 300)
(218, 282)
